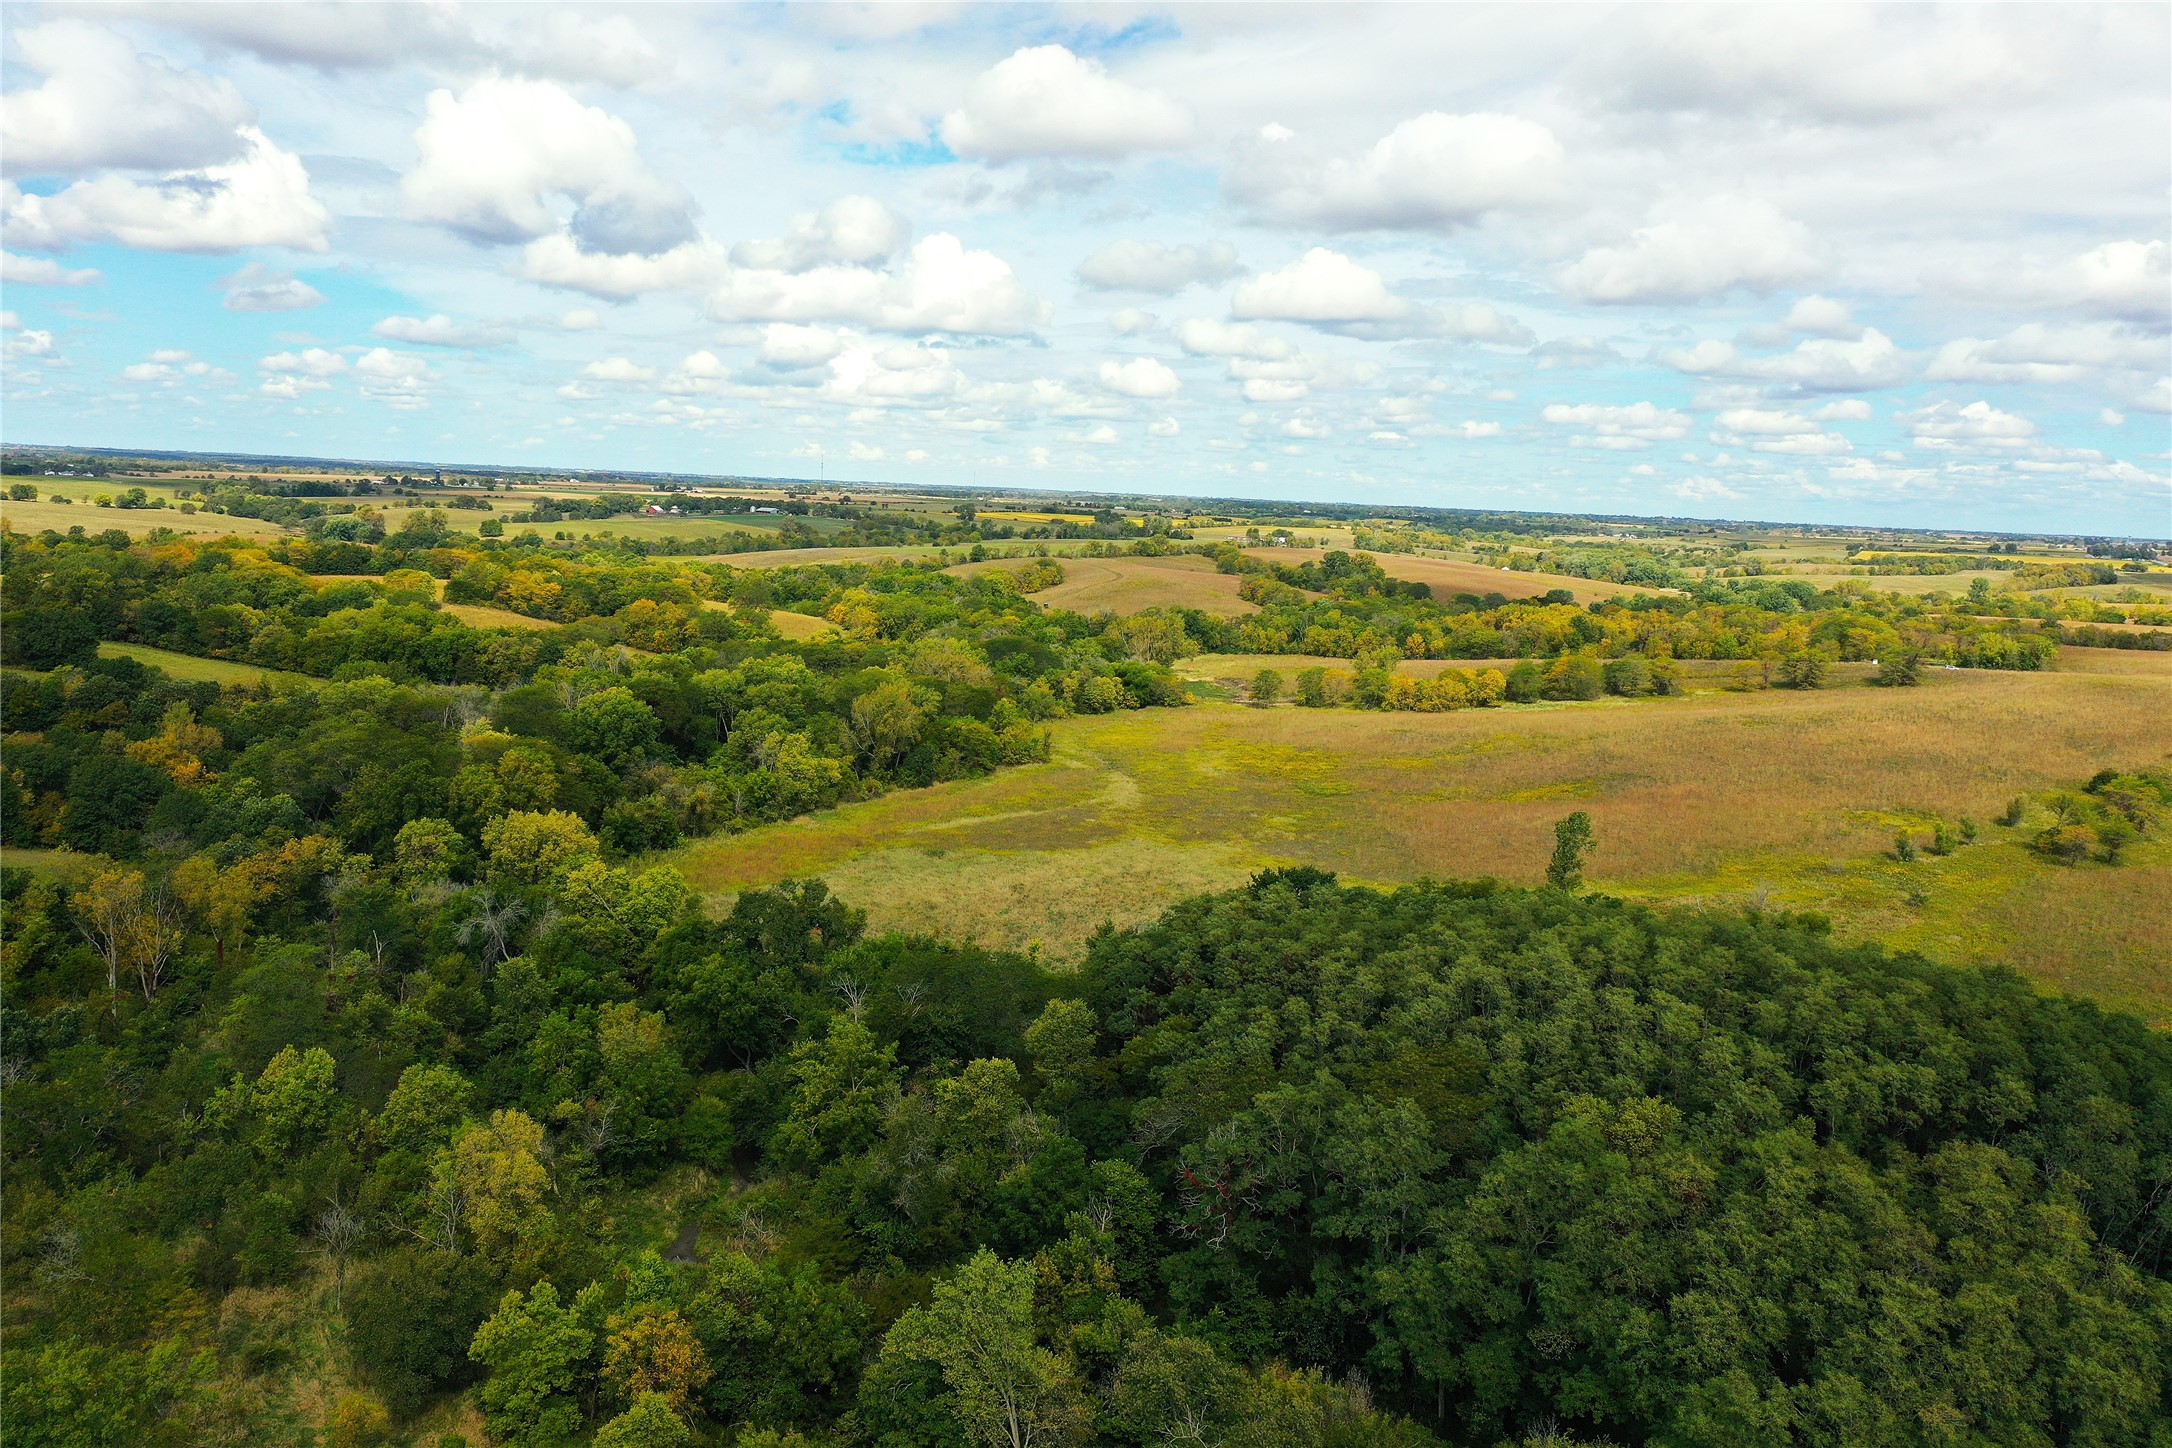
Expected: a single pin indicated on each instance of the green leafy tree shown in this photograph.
(843, 1086)
(411, 1315)
(1573, 842)
(614, 725)
(1266, 686)
(649, 1423)
(1004, 1388)
(541, 1354)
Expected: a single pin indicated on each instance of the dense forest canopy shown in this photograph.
(1298, 1164)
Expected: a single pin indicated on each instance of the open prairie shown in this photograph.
(1786, 797)
(1128, 585)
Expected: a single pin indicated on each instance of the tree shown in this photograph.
(652, 1352)
(541, 1355)
(1901, 668)
(649, 1423)
(338, 1232)
(427, 851)
(411, 1315)
(843, 1085)
(615, 726)
(424, 1109)
(1575, 676)
(497, 1169)
(1573, 841)
(531, 847)
(886, 723)
(1804, 669)
(1004, 1388)
(133, 926)
(491, 924)
(1266, 687)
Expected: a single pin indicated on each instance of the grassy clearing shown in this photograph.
(1709, 794)
(800, 625)
(1449, 576)
(192, 668)
(1129, 585)
(482, 615)
(65, 866)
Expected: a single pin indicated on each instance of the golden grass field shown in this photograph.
(482, 615)
(135, 522)
(1788, 797)
(1128, 585)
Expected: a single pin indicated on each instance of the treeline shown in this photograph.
(1297, 1166)
(666, 717)
(1367, 614)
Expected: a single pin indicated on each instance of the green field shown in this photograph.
(191, 668)
(1786, 797)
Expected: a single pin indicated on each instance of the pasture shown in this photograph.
(1788, 798)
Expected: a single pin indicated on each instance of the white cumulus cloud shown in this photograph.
(1433, 170)
(1045, 101)
(104, 105)
(1150, 266)
(1703, 249)
(258, 288)
(1945, 425)
(939, 286)
(497, 156)
(39, 271)
(1140, 377)
(263, 199)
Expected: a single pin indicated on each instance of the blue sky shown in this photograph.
(1829, 264)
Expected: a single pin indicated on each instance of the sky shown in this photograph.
(1892, 266)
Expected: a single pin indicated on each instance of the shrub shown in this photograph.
(1629, 676)
(1575, 676)
(2067, 844)
(1904, 848)
(1266, 687)
(1805, 670)
(1900, 669)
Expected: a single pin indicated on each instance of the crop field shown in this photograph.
(1128, 585)
(135, 522)
(1785, 798)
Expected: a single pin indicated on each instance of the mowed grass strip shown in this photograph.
(1681, 792)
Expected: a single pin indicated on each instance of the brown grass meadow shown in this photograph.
(1787, 798)
(1128, 585)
